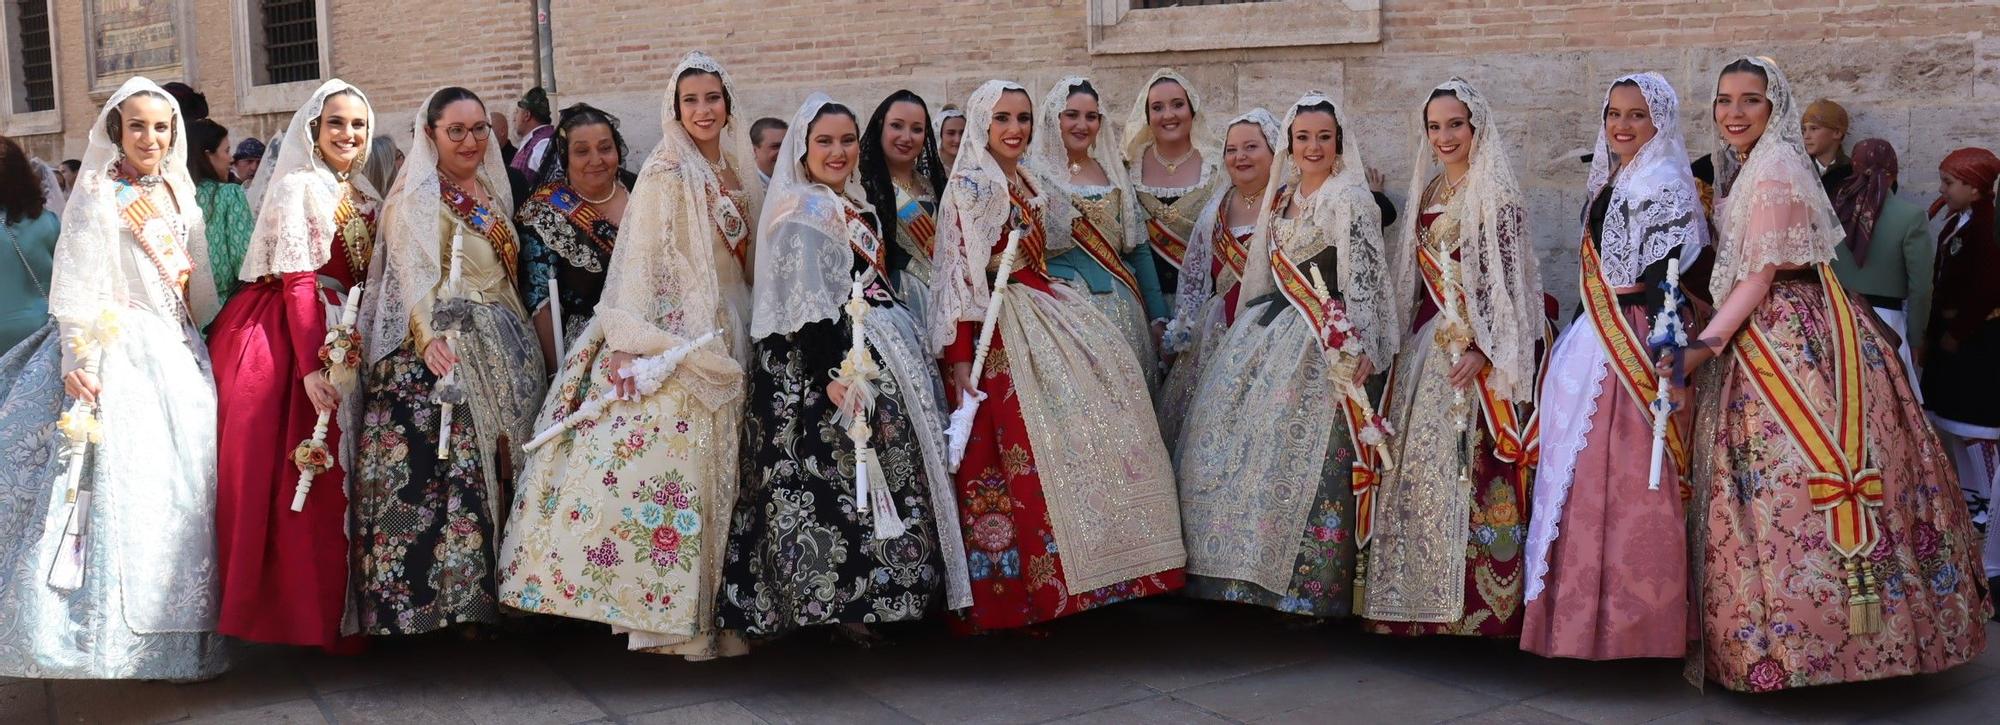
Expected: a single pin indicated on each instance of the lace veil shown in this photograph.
(1052, 158)
(973, 210)
(665, 285)
(1139, 133)
(1195, 289)
(1655, 205)
(295, 226)
(804, 266)
(408, 260)
(1497, 268)
(1770, 208)
(83, 284)
(1344, 211)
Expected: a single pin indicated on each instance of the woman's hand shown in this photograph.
(623, 387)
(1466, 372)
(82, 386)
(325, 397)
(961, 376)
(836, 391)
(439, 357)
(1691, 359)
(1363, 369)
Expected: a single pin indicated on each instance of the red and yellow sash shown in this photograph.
(921, 226)
(1035, 244)
(1627, 352)
(1092, 241)
(1842, 485)
(1367, 466)
(1502, 420)
(1229, 248)
(494, 227)
(1165, 242)
(581, 214)
(1298, 290)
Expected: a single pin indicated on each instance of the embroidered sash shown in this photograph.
(494, 227)
(1626, 350)
(729, 222)
(919, 225)
(581, 214)
(356, 229)
(1166, 243)
(1034, 249)
(861, 237)
(1502, 420)
(1092, 240)
(156, 239)
(1843, 486)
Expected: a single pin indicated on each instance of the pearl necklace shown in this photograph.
(598, 202)
(1174, 165)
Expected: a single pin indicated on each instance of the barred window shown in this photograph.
(35, 86)
(290, 47)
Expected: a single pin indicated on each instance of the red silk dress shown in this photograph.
(1017, 576)
(284, 574)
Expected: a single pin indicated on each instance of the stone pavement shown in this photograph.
(1146, 662)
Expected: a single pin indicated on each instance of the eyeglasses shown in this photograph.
(459, 133)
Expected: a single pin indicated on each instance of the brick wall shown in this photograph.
(1923, 74)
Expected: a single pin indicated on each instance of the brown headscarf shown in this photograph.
(1859, 200)
(1974, 166)
(1824, 113)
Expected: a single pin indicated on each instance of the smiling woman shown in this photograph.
(284, 573)
(845, 492)
(569, 225)
(121, 372)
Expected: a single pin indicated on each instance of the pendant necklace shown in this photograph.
(1174, 165)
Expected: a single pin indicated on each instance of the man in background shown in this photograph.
(531, 123)
(243, 164)
(766, 134)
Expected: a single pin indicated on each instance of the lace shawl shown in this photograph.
(1770, 208)
(1497, 268)
(805, 264)
(295, 225)
(972, 212)
(665, 285)
(83, 285)
(1345, 212)
(1655, 205)
(1197, 286)
(408, 263)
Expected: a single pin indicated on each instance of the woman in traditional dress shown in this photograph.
(108, 571)
(1266, 458)
(1171, 175)
(1449, 517)
(223, 207)
(826, 532)
(1607, 554)
(902, 175)
(1063, 454)
(622, 518)
(569, 225)
(1108, 257)
(451, 386)
(951, 130)
(1834, 546)
(1218, 250)
(1962, 345)
(285, 572)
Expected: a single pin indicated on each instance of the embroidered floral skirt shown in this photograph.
(621, 519)
(1266, 471)
(424, 533)
(1774, 604)
(146, 607)
(1446, 558)
(802, 549)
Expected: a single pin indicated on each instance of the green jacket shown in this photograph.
(1899, 262)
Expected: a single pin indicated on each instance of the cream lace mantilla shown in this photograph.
(1772, 210)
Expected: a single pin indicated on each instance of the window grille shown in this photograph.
(291, 41)
(38, 69)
